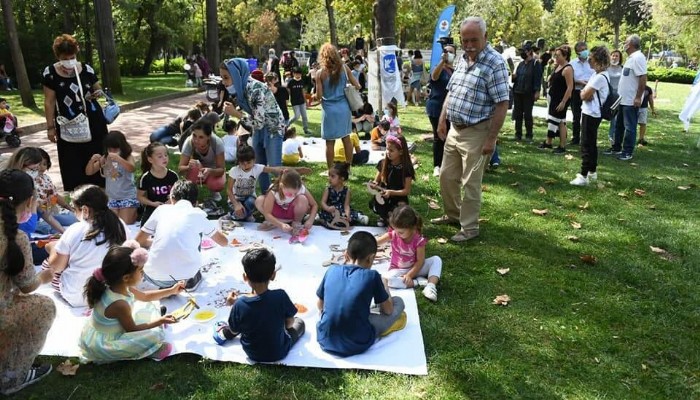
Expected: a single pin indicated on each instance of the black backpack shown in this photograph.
(608, 110)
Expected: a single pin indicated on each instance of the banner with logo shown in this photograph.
(384, 83)
(442, 29)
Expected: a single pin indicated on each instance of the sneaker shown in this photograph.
(611, 152)
(642, 142)
(216, 196)
(430, 292)
(624, 157)
(363, 219)
(399, 324)
(575, 142)
(559, 150)
(222, 333)
(528, 139)
(163, 352)
(422, 281)
(580, 180)
(592, 176)
(463, 236)
(436, 171)
(494, 166)
(34, 375)
(544, 145)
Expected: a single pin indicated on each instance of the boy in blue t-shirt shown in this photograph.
(265, 318)
(346, 326)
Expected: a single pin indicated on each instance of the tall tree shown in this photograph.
(25, 89)
(385, 20)
(264, 33)
(618, 11)
(109, 63)
(213, 51)
(331, 22)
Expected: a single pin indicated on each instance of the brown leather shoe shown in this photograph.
(444, 220)
(463, 236)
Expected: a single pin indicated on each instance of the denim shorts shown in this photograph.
(124, 203)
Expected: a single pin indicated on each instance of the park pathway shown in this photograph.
(136, 124)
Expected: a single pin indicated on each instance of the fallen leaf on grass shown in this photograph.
(158, 386)
(569, 157)
(573, 238)
(483, 220)
(550, 181)
(502, 300)
(601, 186)
(670, 179)
(575, 225)
(656, 177)
(540, 212)
(511, 170)
(634, 164)
(663, 253)
(503, 271)
(652, 207)
(541, 190)
(515, 184)
(657, 250)
(485, 188)
(640, 192)
(442, 240)
(571, 215)
(644, 367)
(683, 187)
(596, 360)
(433, 205)
(623, 195)
(583, 206)
(589, 259)
(425, 177)
(686, 165)
(66, 368)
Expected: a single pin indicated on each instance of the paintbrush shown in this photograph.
(188, 293)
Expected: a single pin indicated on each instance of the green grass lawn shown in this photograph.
(135, 88)
(626, 327)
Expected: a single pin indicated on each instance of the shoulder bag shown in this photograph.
(76, 130)
(352, 94)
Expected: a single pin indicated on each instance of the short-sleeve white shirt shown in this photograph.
(177, 231)
(635, 67)
(244, 181)
(84, 256)
(600, 85)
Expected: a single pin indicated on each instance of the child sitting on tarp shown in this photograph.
(347, 327)
(265, 319)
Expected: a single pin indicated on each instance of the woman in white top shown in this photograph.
(83, 245)
(593, 95)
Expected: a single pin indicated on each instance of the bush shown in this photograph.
(675, 75)
(174, 65)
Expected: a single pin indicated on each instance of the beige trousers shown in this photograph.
(462, 169)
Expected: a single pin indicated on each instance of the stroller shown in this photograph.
(11, 138)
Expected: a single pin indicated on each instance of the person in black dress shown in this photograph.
(62, 97)
(561, 85)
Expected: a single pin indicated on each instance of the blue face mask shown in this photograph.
(583, 55)
(231, 90)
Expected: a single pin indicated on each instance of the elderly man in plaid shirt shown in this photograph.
(476, 107)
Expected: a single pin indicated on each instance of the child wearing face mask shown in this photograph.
(297, 97)
(391, 114)
(287, 203)
(117, 166)
(84, 244)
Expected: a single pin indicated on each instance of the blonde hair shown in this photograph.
(290, 179)
(330, 60)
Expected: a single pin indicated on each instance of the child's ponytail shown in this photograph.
(118, 262)
(104, 220)
(15, 188)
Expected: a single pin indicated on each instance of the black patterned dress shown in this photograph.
(337, 199)
(73, 157)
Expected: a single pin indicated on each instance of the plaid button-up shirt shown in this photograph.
(476, 88)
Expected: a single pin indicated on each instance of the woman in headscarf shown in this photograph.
(259, 109)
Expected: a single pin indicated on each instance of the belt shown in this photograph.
(465, 126)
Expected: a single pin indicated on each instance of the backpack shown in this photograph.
(608, 110)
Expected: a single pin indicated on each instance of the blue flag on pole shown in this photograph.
(442, 29)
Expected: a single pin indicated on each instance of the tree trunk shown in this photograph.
(331, 22)
(156, 37)
(385, 18)
(87, 48)
(109, 63)
(25, 89)
(213, 51)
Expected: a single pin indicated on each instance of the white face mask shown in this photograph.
(450, 58)
(69, 64)
(32, 172)
(614, 62)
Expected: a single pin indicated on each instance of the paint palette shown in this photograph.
(204, 315)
